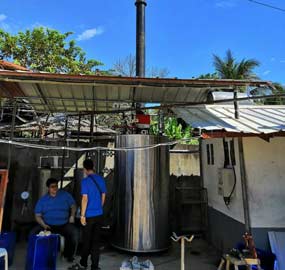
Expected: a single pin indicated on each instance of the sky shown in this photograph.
(181, 35)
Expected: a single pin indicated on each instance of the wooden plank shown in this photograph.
(3, 189)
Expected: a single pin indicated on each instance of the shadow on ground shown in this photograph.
(199, 256)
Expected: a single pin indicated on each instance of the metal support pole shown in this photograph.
(161, 122)
(91, 128)
(77, 141)
(244, 187)
(98, 161)
(182, 238)
(236, 103)
(64, 152)
(182, 253)
(88, 154)
(140, 42)
(76, 163)
(10, 148)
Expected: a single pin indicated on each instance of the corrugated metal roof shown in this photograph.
(11, 66)
(75, 93)
(253, 118)
(219, 95)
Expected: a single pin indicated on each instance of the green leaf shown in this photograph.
(44, 49)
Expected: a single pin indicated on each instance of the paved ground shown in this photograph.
(199, 256)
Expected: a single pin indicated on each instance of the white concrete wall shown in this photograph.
(210, 177)
(185, 164)
(265, 167)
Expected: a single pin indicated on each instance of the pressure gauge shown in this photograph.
(25, 195)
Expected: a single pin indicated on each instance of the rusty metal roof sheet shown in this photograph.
(11, 66)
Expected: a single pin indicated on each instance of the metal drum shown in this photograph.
(142, 195)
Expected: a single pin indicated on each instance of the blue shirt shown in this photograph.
(55, 210)
(89, 188)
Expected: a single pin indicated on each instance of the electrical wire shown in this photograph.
(267, 5)
(97, 148)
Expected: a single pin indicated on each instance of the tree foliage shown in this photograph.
(279, 89)
(173, 130)
(230, 68)
(44, 49)
(212, 76)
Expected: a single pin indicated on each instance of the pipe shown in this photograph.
(140, 38)
(161, 122)
(182, 253)
(244, 187)
(174, 151)
(182, 239)
(236, 104)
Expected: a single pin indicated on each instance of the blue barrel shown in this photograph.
(42, 252)
(8, 241)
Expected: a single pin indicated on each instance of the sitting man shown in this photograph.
(55, 212)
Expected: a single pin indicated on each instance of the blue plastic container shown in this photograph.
(8, 241)
(42, 252)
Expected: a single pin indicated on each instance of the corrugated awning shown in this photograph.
(74, 93)
(253, 119)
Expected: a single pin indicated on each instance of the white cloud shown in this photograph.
(90, 33)
(37, 25)
(282, 61)
(226, 3)
(3, 24)
(3, 17)
(266, 72)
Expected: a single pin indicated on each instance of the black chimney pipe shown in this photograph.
(140, 45)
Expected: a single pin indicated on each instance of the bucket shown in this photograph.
(8, 241)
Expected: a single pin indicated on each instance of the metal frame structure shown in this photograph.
(85, 93)
(82, 94)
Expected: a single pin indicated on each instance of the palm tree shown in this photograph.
(229, 68)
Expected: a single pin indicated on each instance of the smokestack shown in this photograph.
(140, 46)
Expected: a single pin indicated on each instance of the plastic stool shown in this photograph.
(237, 262)
(3, 253)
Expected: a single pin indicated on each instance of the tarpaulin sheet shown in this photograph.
(277, 243)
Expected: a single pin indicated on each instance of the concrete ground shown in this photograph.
(199, 256)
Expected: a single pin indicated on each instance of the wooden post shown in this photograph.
(3, 188)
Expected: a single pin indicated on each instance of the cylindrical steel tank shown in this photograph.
(141, 195)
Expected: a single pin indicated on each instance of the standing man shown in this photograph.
(93, 191)
(55, 212)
